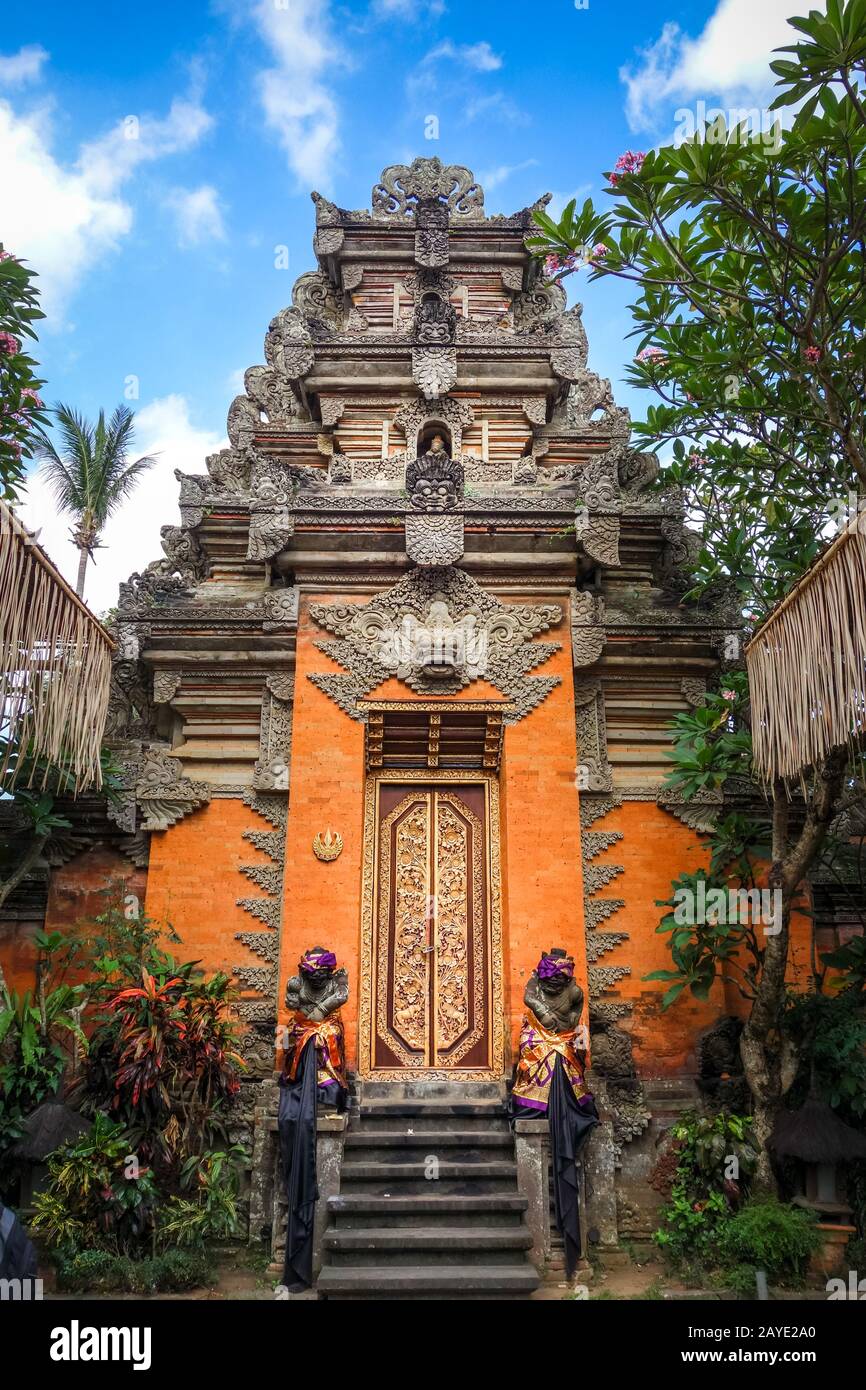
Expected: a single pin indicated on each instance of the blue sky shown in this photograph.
(155, 156)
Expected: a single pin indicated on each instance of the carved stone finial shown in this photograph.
(404, 186)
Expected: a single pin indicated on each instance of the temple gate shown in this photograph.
(400, 682)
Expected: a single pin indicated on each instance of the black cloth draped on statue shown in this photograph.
(296, 1122)
(571, 1123)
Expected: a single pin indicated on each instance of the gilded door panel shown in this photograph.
(434, 932)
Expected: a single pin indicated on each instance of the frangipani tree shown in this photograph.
(748, 253)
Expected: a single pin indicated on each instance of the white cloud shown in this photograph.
(492, 178)
(64, 218)
(24, 66)
(408, 9)
(477, 56)
(498, 105)
(295, 93)
(131, 539)
(729, 60)
(560, 201)
(197, 213)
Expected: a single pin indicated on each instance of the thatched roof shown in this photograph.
(50, 1125)
(807, 663)
(815, 1134)
(55, 661)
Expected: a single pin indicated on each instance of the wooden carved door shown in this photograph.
(432, 960)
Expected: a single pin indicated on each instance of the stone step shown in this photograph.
(363, 1210)
(434, 1110)
(432, 1245)
(414, 1148)
(393, 1238)
(431, 1090)
(425, 1281)
(397, 1179)
(375, 1121)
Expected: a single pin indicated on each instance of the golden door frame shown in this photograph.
(366, 992)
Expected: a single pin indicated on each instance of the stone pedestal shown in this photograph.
(598, 1161)
(532, 1152)
(268, 1197)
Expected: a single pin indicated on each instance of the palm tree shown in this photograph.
(91, 475)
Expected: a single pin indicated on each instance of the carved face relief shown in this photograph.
(434, 481)
(436, 630)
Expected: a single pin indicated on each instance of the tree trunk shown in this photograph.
(28, 858)
(770, 1060)
(82, 566)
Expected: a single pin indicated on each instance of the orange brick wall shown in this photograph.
(78, 892)
(655, 849)
(195, 879)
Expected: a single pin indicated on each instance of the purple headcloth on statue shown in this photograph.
(553, 967)
(313, 962)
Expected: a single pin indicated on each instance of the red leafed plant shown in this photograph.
(166, 1052)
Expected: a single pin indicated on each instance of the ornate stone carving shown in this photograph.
(437, 629)
(538, 308)
(263, 979)
(569, 356)
(524, 473)
(636, 471)
(281, 609)
(229, 471)
(131, 713)
(272, 767)
(456, 415)
(431, 247)
(163, 793)
(600, 539)
(512, 278)
(680, 554)
(341, 471)
(434, 321)
(402, 187)
(192, 498)
(165, 686)
(599, 485)
(587, 628)
(315, 298)
(694, 690)
(288, 345)
(434, 540)
(535, 409)
(271, 494)
(434, 481)
(434, 370)
(351, 276)
(588, 392)
(594, 773)
(273, 394)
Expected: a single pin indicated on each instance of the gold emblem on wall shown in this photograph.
(327, 846)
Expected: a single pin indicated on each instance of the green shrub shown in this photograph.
(702, 1195)
(770, 1235)
(96, 1194)
(98, 1271)
(855, 1251)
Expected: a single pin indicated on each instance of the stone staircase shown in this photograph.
(429, 1205)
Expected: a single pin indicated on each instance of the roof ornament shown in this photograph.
(403, 186)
